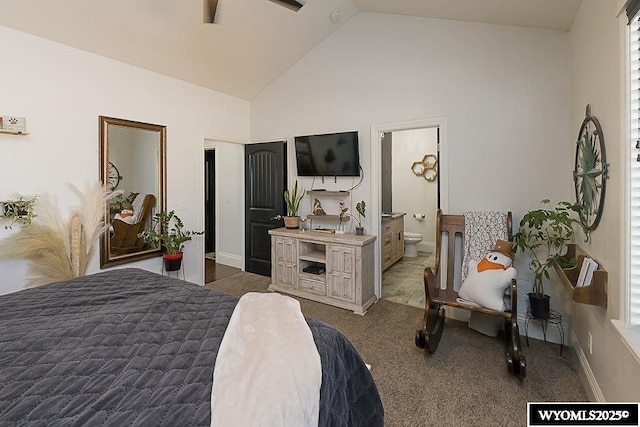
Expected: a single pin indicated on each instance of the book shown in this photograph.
(586, 272)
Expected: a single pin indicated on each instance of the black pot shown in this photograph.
(539, 305)
(172, 262)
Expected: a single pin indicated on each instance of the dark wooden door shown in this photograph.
(265, 181)
(209, 201)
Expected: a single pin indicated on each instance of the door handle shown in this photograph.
(276, 218)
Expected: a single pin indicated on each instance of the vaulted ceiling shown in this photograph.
(251, 42)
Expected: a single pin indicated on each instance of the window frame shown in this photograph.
(629, 326)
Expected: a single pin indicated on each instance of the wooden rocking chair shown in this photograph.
(436, 298)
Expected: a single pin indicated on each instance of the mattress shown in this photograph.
(131, 347)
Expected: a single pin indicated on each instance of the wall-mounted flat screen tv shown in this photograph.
(331, 154)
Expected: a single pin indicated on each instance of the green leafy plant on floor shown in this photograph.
(167, 232)
(545, 233)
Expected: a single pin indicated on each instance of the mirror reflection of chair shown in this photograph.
(124, 239)
(452, 228)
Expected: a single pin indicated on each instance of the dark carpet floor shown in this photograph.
(464, 383)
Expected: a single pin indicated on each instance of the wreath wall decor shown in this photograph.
(590, 170)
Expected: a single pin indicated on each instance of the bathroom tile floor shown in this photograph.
(403, 282)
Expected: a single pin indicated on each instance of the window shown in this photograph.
(633, 300)
(634, 173)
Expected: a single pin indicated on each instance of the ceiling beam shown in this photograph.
(209, 11)
(294, 5)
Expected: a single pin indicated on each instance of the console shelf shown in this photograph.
(315, 256)
(596, 292)
(328, 193)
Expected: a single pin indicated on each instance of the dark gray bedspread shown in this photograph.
(130, 347)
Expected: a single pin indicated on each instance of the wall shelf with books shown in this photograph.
(595, 293)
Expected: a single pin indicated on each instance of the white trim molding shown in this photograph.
(586, 368)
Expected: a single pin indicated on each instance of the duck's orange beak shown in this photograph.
(485, 264)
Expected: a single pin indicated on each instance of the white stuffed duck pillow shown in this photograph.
(488, 279)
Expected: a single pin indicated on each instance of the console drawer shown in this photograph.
(313, 286)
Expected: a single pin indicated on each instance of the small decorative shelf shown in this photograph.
(14, 132)
(328, 217)
(329, 193)
(596, 292)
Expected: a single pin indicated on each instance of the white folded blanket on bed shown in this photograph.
(268, 370)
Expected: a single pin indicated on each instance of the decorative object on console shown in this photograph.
(167, 232)
(292, 198)
(317, 208)
(545, 233)
(590, 172)
(18, 211)
(58, 249)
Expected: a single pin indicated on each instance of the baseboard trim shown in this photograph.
(426, 247)
(592, 384)
(229, 259)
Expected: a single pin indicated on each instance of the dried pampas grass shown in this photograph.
(58, 249)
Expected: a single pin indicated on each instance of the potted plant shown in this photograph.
(167, 232)
(545, 233)
(18, 211)
(360, 207)
(292, 199)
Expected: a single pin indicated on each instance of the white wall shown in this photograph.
(413, 194)
(503, 90)
(597, 46)
(61, 91)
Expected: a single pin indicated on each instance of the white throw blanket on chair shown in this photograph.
(481, 231)
(268, 370)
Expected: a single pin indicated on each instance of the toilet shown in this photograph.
(410, 242)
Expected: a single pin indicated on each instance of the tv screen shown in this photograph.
(331, 154)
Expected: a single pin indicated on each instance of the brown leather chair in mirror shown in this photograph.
(124, 238)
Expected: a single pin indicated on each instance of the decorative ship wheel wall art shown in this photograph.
(427, 168)
(591, 171)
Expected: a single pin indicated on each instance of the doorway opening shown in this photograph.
(409, 205)
(210, 204)
(409, 184)
(222, 206)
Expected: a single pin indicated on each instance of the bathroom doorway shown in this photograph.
(412, 186)
(409, 204)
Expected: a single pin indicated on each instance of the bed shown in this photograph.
(130, 347)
